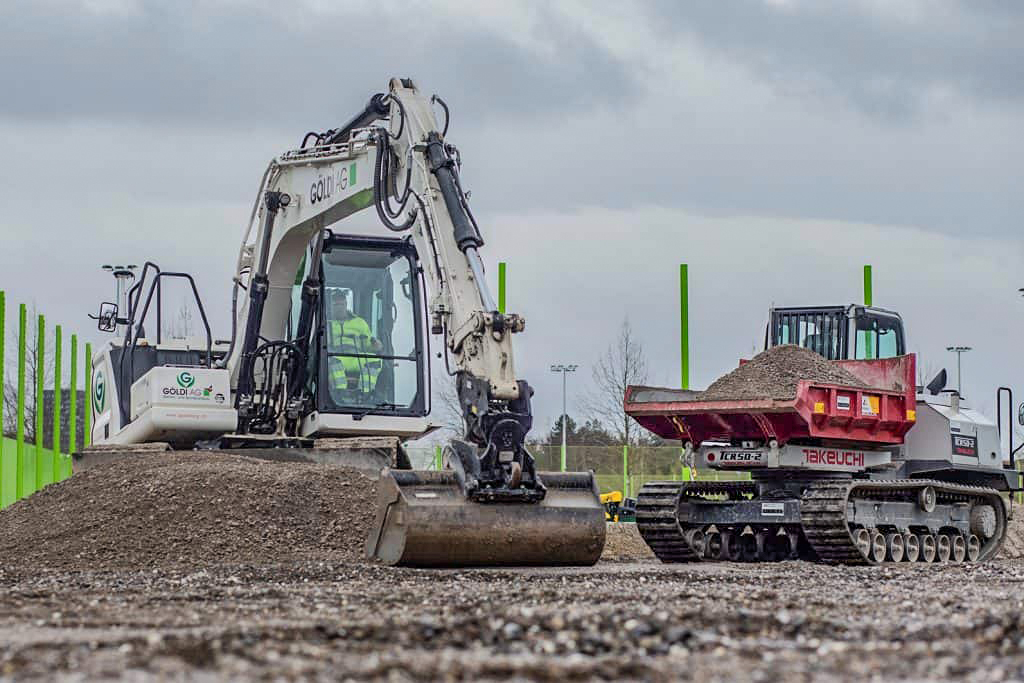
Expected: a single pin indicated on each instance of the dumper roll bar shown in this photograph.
(999, 421)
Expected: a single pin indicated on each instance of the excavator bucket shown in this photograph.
(424, 519)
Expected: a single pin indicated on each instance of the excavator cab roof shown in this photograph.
(838, 332)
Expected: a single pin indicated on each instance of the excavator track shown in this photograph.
(840, 522)
(657, 515)
(827, 528)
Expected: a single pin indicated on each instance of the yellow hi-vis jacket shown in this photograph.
(349, 372)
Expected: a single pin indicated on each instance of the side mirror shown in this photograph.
(106, 321)
(938, 383)
(1020, 415)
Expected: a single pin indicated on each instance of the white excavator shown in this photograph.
(328, 356)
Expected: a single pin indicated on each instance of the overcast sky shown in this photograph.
(776, 147)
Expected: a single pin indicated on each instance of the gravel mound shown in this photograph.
(623, 543)
(1013, 546)
(191, 509)
(775, 374)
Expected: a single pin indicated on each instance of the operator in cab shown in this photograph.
(349, 333)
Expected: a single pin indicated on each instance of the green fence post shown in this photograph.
(684, 323)
(501, 287)
(40, 388)
(868, 298)
(3, 359)
(57, 459)
(87, 372)
(867, 286)
(72, 406)
(19, 463)
(437, 458)
(1019, 496)
(625, 470)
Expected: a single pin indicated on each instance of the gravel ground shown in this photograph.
(225, 568)
(642, 621)
(775, 373)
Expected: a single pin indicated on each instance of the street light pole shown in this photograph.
(959, 351)
(565, 370)
(565, 421)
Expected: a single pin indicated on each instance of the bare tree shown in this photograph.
(623, 363)
(32, 363)
(926, 371)
(182, 324)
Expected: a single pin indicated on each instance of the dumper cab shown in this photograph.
(838, 332)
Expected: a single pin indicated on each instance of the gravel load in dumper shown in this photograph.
(775, 373)
(191, 509)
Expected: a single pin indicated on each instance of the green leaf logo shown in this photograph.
(99, 392)
(186, 379)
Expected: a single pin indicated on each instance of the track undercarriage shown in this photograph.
(832, 520)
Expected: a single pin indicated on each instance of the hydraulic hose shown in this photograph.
(447, 113)
(381, 192)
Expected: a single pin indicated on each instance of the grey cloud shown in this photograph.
(169, 105)
(882, 64)
(241, 64)
(144, 135)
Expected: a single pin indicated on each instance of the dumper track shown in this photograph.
(657, 514)
(825, 511)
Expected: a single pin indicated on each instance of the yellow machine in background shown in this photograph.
(617, 508)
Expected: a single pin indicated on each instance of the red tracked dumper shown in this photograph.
(860, 472)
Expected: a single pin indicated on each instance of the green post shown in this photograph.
(73, 405)
(501, 287)
(684, 323)
(625, 470)
(57, 459)
(87, 373)
(868, 339)
(19, 463)
(3, 358)
(684, 338)
(437, 458)
(40, 388)
(867, 285)
(1019, 496)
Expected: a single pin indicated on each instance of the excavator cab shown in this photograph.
(368, 356)
(838, 332)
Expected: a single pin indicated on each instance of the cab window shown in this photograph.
(371, 353)
(879, 336)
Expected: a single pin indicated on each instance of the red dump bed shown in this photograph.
(881, 414)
